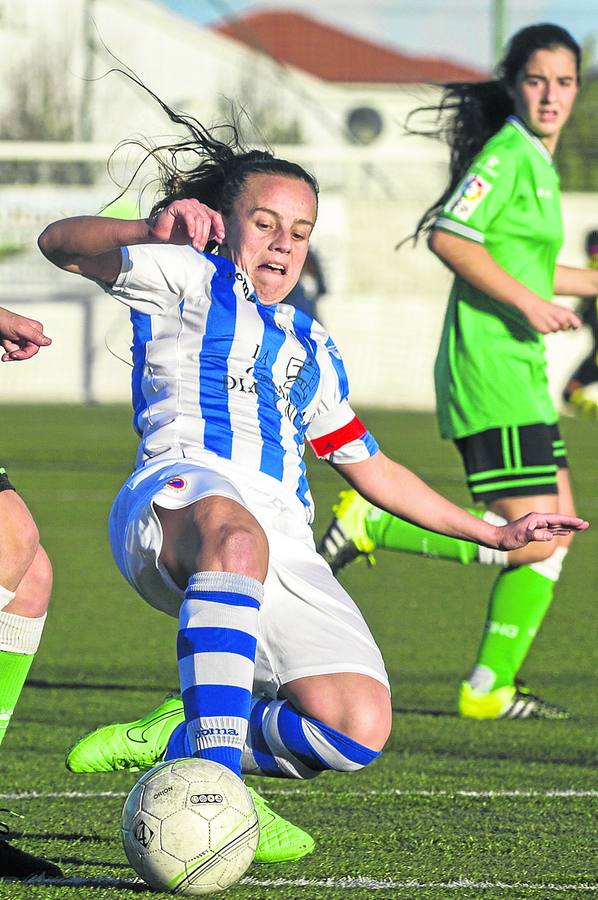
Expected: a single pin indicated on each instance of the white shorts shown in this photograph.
(307, 625)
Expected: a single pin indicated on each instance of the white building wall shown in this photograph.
(191, 68)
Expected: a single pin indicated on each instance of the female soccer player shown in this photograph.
(25, 588)
(498, 227)
(214, 524)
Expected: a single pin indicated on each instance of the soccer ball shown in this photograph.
(189, 827)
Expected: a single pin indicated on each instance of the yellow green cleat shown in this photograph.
(280, 840)
(133, 746)
(508, 702)
(346, 537)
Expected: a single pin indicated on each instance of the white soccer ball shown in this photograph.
(190, 827)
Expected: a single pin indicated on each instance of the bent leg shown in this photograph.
(336, 722)
(355, 704)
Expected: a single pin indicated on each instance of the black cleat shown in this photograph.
(525, 705)
(15, 863)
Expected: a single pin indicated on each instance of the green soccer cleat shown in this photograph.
(346, 537)
(509, 702)
(134, 746)
(280, 841)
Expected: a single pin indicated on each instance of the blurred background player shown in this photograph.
(586, 373)
(498, 227)
(25, 588)
(310, 287)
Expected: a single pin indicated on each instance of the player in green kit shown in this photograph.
(498, 227)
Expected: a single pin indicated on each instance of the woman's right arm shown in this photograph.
(90, 245)
(474, 264)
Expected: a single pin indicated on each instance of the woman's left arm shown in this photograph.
(391, 486)
(575, 282)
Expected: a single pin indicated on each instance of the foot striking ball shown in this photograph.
(190, 827)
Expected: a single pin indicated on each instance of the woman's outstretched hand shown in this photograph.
(187, 222)
(536, 527)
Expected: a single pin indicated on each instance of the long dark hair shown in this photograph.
(470, 113)
(218, 169)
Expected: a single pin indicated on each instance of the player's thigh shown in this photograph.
(19, 537)
(136, 533)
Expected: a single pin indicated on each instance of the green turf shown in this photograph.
(108, 657)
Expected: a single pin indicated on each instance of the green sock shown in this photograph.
(13, 672)
(391, 533)
(518, 603)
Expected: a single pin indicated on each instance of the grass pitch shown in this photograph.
(452, 809)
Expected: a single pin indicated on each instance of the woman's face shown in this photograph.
(545, 91)
(267, 234)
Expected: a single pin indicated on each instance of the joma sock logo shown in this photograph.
(205, 731)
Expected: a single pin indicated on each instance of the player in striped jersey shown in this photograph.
(279, 672)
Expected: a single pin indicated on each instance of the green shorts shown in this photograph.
(516, 461)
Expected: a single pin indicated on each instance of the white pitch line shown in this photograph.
(358, 882)
(330, 795)
(397, 792)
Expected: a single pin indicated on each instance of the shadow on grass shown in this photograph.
(87, 686)
(419, 711)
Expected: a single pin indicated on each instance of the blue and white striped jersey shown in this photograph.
(217, 373)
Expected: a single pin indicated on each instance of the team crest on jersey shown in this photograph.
(470, 196)
(177, 484)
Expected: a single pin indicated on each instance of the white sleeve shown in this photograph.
(336, 433)
(153, 277)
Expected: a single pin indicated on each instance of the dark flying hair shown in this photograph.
(470, 113)
(218, 169)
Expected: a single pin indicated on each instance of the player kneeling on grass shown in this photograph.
(279, 673)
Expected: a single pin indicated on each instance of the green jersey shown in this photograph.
(491, 370)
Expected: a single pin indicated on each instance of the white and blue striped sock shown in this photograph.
(282, 743)
(216, 653)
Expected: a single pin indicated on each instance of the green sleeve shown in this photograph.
(481, 196)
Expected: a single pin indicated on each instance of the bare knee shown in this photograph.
(212, 535)
(35, 589)
(356, 705)
(241, 549)
(370, 725)
(533, 553)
